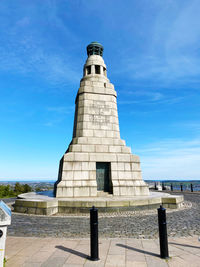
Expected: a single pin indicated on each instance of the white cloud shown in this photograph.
(57, 114)
(28, 48)
(149, 98)
(61, 109)
(53, 68)
(145, 95)
(172, 53)
(182, 44)
(171, 159)
(189, 126)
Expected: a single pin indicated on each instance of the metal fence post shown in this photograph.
(163, 186)
(191, 187)
(163, 233)
(155, 186)
(181, 188)
(171, 187)
(94, 244)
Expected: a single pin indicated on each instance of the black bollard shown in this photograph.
(171, 187)
(191, 186)
(94, 244)
(163, 233)
(181, 188)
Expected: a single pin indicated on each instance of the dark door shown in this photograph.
(102, 175)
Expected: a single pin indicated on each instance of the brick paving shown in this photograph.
(184, 222)
(127, 239)
(58, 252)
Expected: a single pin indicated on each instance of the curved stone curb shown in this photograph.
(33, 203)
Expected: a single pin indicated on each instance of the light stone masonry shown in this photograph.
(96, 147)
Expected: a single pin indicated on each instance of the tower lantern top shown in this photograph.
(95, 48)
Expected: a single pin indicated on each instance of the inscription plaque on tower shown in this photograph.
(97, 159)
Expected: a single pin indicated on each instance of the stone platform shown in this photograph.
(41, 204)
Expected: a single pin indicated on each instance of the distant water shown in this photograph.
(48, 193)
(186, 184)
(186, 188)
(29, 181)
(176, 184)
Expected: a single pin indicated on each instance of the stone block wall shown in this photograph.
(96, 138)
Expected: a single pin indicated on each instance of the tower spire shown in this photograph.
(95, 48)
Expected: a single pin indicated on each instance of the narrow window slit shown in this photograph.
(97, 69)
(88, 70)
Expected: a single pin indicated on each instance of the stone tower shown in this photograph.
(97, 161)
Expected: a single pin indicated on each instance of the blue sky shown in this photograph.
(152, 53)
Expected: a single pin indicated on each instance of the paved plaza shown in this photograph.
(54, 252)
(141, 224)
(126, 239)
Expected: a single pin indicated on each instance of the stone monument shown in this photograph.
(97, 169)
(97, 161)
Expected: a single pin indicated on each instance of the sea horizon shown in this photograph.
(30, 181)
(53, 181)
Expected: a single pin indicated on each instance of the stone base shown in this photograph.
(77, 174)
(33, 203)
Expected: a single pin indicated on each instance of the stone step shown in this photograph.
(103, 194)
